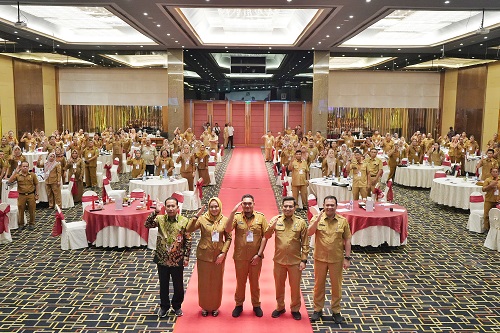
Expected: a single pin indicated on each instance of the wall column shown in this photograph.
(173, 114)
(7, 100)
(49, 98)
(321, 69)
(449, 100)
(491, 104)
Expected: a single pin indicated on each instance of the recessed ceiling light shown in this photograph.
(327, 36)
(319, 42)
(447, 2)
(37, 38)
(485, 37)
(15, 32)
(356, 49)
(288, 0)
(158, 25)
(351, 16)
(399, 49)
(481, 44)
(338, 27)
(368, 0)
(312, 48)
(145, 14)
(141, 46)
(168, 34)
(461, 44)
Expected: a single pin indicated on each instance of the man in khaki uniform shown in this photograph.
(90, 155)
(138, 165)
(415, 154)
(300, 170)
(487, 164)
(348, 140)
(313, 151)
(375, 170)
(387, 143)
(492, 188)
(333, 237)
(249, 245)
(4, 167)
(268, 146)
(5, 147)
(359, 174)
(26, 187)
(290, 256)
(148, 154)
(117, 148)
(472, 146)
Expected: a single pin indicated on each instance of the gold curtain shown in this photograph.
(95, 118)
(404, 121)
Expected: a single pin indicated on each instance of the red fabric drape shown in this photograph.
(57, 228)
(4, 220)
(108, 171)
(390, 194)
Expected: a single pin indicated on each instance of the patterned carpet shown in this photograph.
(444, 280)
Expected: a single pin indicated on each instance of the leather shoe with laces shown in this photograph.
(337, 318)
(316, 315)
(162, 313)
(277, 313)
(237, 311)
(258, 311)
(296, 315)
(178, 313)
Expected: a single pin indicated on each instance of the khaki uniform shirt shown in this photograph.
(313, 153)
(359, 174)
(213, 239)
(349, 141)
(26, 184)
(14, 161)
(330, 236)
(292, 244)
(244, 249)
(415, 154)
(268, 141)
(186, 166)
(488, 164)
(138, 167)
(492, 195)
(472, 147)
(91, 155)
(374, 166)
(148, 154)
(436, 157)
(7, 149)
(165, 164)
(300, 171)
(387, 145)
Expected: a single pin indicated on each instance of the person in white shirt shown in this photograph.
(230, 133)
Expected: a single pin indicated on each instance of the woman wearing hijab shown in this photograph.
(15, 159)
(330, 164)
(202, 159)
(186, 159)
(61, 158)
(76, 166)
(210, 254)
(52, 175)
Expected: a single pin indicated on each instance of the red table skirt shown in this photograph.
(360, 219)
(129, 218)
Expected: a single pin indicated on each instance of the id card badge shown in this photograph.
(496, 192)
(215, 236)
(137, 166)
(187, 162)
(359, 173)
(416, 154)
(74, 165)
(249, 236)
(90, 155)
(301, 172)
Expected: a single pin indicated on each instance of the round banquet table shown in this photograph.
(322, 187)
(315, 171)
(159, 188)
(416, 175)
(117, 228)
(470, 164)
(33, 156)
(453, 192)
(377, 227)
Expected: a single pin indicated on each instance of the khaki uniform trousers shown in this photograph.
(335, 272)
(269, 154)
(190, 179)
(487, 206)
(21, 206)
(303, 194)
(54, 194)
(370, 188)
(90, 176)
(245, 270)
(294, 275)
(356, 191)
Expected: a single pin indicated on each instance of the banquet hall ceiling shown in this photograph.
(204, 28)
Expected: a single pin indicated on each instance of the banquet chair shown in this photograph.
(211, 172)
(137, 193)
(110, 192)
(5, 236)
(74, 235)
(440, 174)
(66, 195)
(476, 217)
(192, 199)
(493, 239)
(387, 171)
(114, 171)
(125, 167)
(14, 212)
(313, 209)
(87, 198)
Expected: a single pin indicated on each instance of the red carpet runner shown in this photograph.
(246, 173)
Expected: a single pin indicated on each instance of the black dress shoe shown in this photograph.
(258, 311)
(316, 315)
(178, 313)
(337, 318)
(162, 313)
(296, 315)
(31, 228)
(277, 313)
(237, 311)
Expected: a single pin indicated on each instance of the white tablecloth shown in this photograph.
(453, 192)
(321, 188)
(416, 175)
(105, 159)
(159, 188)
(315, 171)
(30, 157)
(470, 165)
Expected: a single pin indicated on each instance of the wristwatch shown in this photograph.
(347, 258)
(260, 256)
(304, 261)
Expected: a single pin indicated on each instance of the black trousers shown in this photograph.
(230, 142)
(150, 169)
(164, 274)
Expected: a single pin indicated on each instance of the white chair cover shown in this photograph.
(113, 193)
(100, 177)
(192, 199)
(5, 237)
(85, 196)
(137, 193)
(73, 235)
(492, 239)
(313, 210)
(14, 212)
(125, 167)
(476, 217)
(66, 195)
(114, 171)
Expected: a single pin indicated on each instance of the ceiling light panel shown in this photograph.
(85, 25)
(449, 63)
(337, 63)
(51, 58)
(248, 26)
(413, 28)
(139, 61)
(273, 61)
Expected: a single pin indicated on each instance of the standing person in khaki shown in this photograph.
(90, 155)
(76, 167)
(375, 170)
(268, 146)
(492, 188)
(332, 238)
(211, 255)
(186, 159)
(26, 187)
(249, 245)
(290, 256)
(359, 173)
(149, 154)
(117, 147)
(487, 163)
(138, 165)
(300, 172)
(52, 174)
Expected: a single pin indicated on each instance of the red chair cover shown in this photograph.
(439, 175)
(275, 169)
(477, 172)
(283, 172)
(476, 198)
(311, 203)
(74, 188)
(108, 171)
(105, 181)
(212, 164)
(378, 192)
(57, 228)
(458, 168)
(116, 161)
(285, 184)
(4, 220)
(345, 173)
(390, 194)
(89, 198)
(384, 163)
(137, 194)
(426, 158)
(213, 153)
(446, 163)
(179, 196)
(13, 194)
(104, 195)
(404, 162)
(199, 185)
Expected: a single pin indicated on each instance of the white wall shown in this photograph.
(383, 89)
(113, 86)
